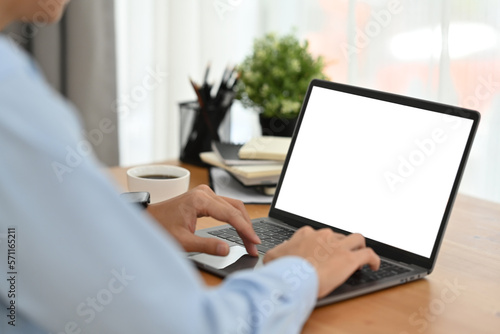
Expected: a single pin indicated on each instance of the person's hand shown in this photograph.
(334, 256)
(178, 215)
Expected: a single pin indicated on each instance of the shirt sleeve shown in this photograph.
(85, 262)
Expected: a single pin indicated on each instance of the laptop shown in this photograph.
(383, 165)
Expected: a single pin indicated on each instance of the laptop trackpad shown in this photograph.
(237, 257)
(220, 262)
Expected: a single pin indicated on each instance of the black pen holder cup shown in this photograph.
(198, 128)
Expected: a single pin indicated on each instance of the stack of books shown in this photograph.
(256, 163)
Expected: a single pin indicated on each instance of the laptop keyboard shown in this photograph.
(365, 274)
(272, 235)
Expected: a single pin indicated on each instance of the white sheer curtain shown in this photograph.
(447, 51)
(142, 82)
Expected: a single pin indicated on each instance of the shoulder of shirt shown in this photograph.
(14, 58)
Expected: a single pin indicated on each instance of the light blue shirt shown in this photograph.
(75, 259)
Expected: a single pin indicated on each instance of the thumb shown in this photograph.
(194, 243)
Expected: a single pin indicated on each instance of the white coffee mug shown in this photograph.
(161, 181)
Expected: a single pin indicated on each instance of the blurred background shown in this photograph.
(131, 61)
(446, 51)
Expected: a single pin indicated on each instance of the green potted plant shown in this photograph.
(274, 78)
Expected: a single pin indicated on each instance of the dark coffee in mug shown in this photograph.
(158, 176)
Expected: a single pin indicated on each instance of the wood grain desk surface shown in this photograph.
(462, 294)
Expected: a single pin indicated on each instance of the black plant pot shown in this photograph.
(276, 126)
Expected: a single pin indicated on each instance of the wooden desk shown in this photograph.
(462, 295)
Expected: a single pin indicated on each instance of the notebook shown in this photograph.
(383, 165)
(228, 153)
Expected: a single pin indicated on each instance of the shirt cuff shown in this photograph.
(300, 278)
(293, 282)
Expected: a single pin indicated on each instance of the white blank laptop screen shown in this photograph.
(374, 167)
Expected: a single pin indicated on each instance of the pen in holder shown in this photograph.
(201, 119)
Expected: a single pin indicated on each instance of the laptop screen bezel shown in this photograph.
(381, 248)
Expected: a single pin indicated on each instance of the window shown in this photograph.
(446, 51)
